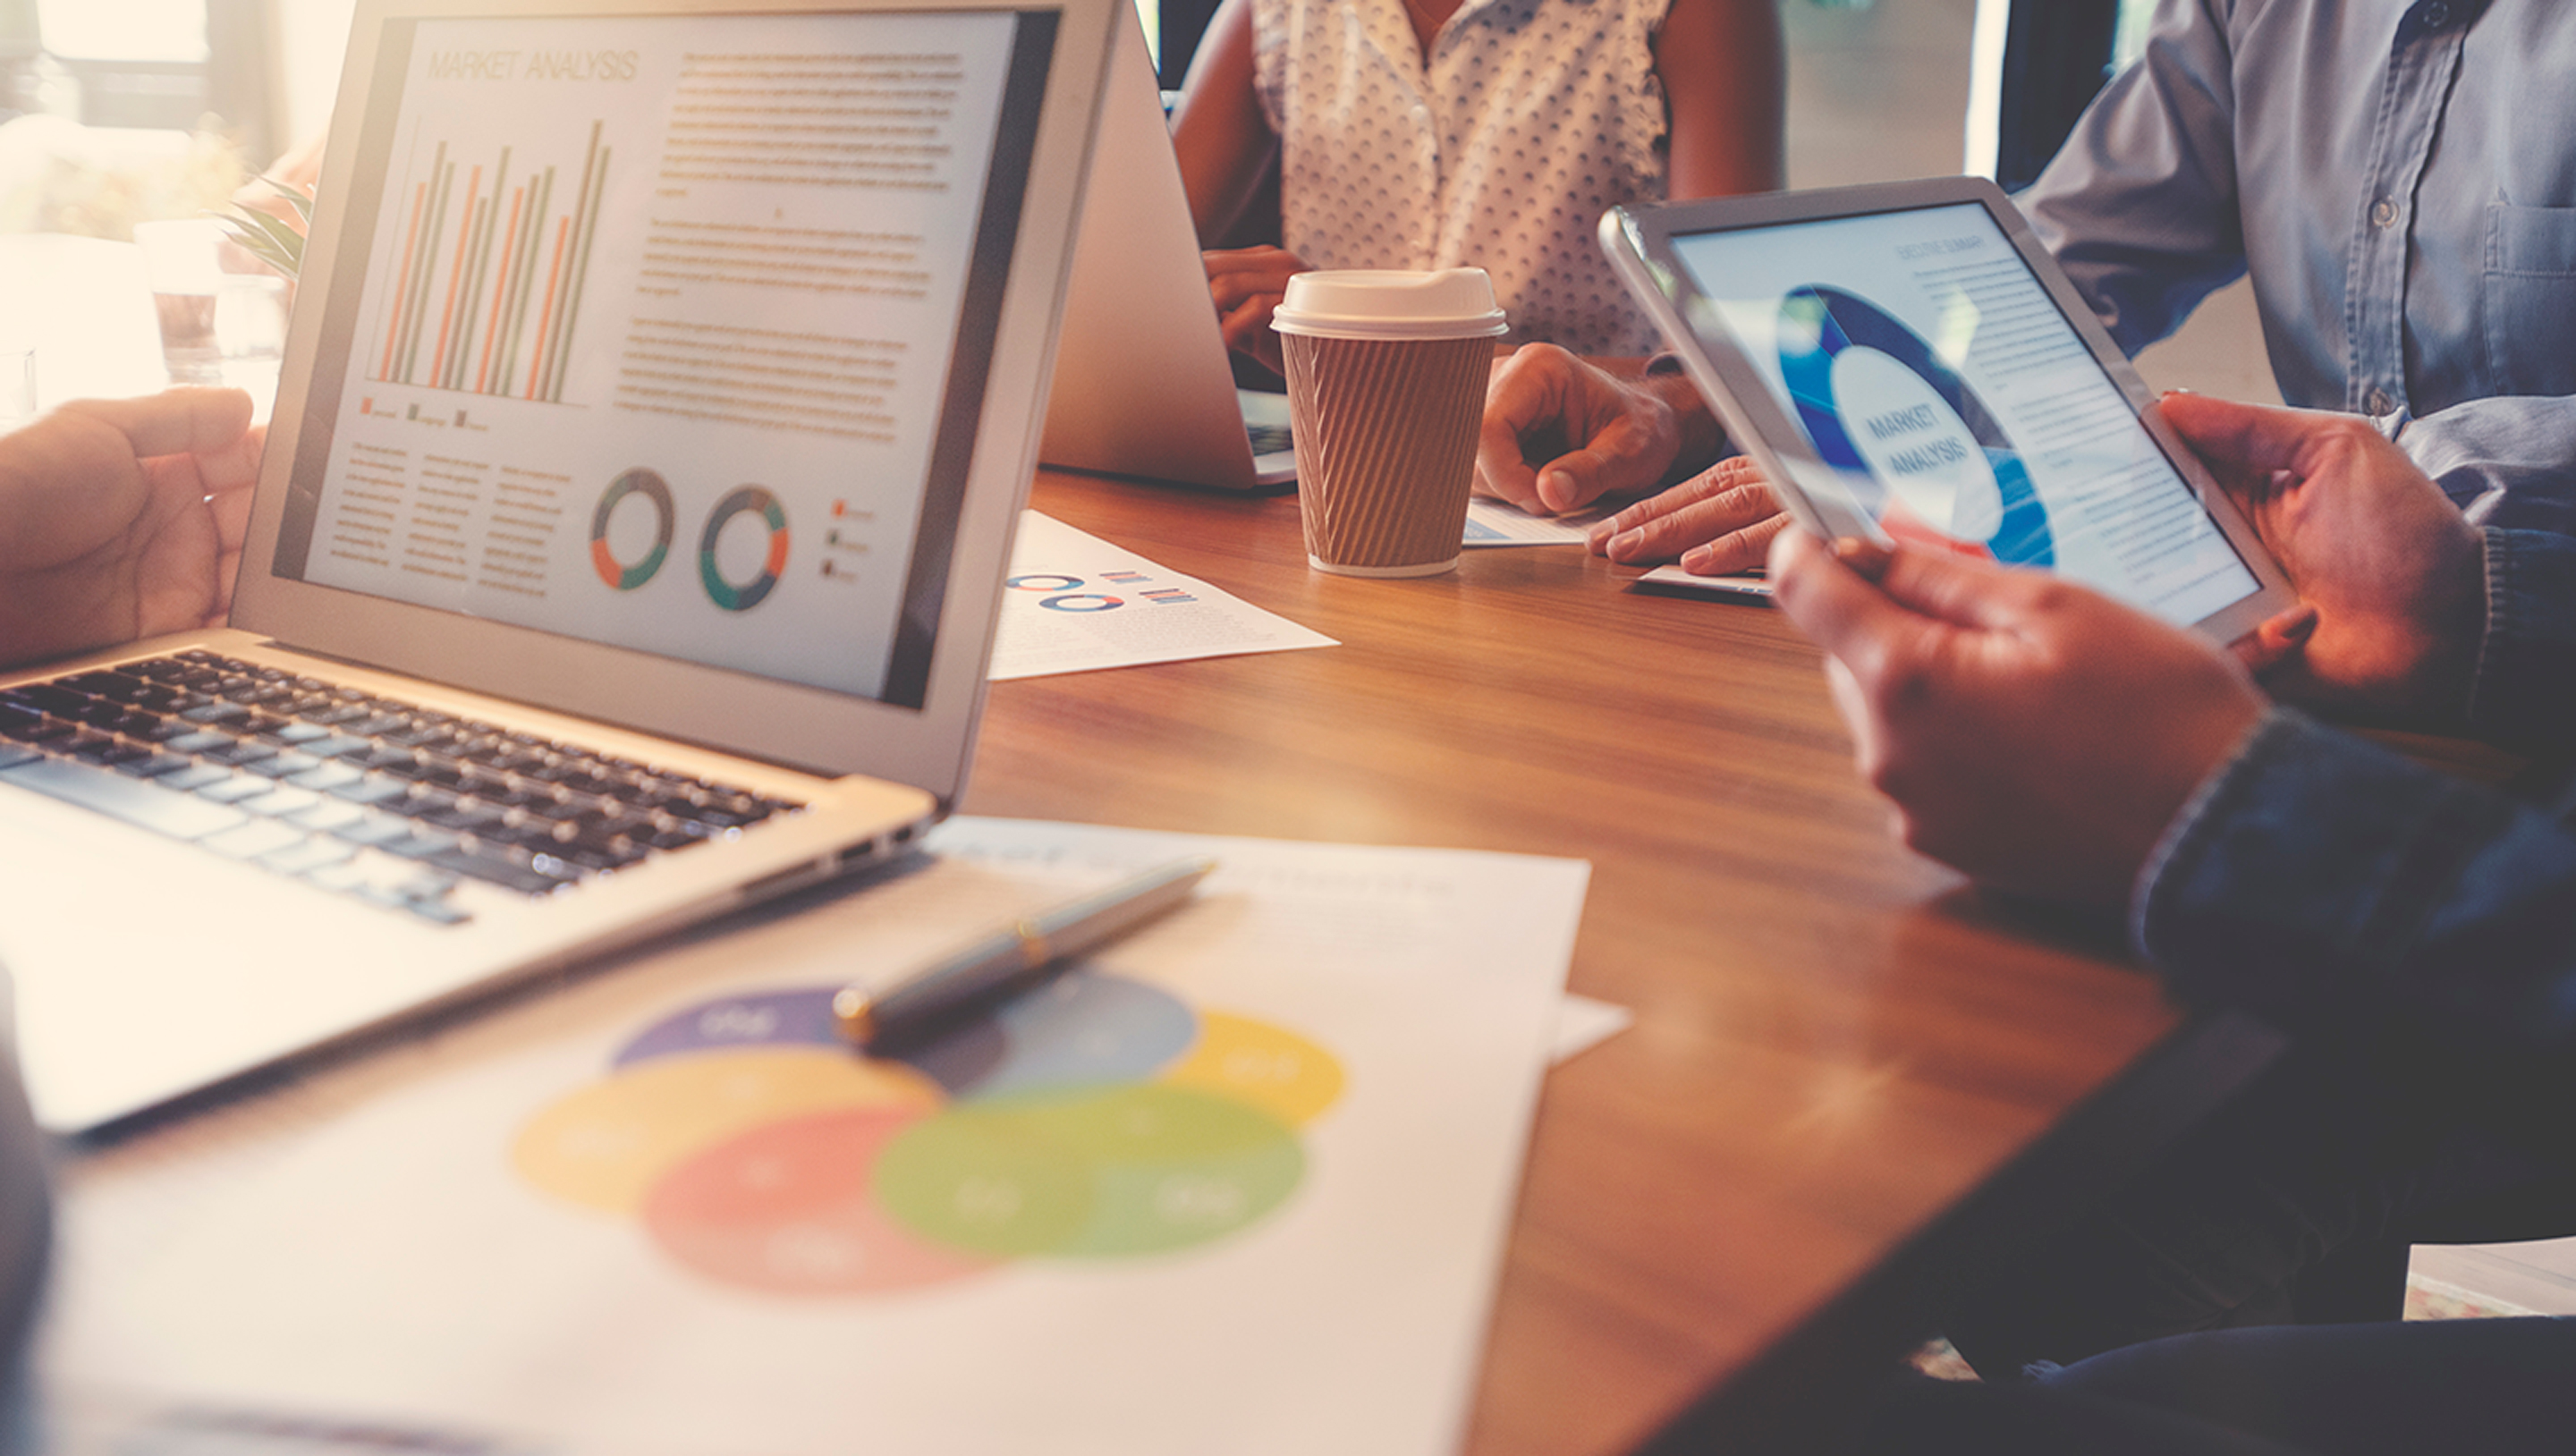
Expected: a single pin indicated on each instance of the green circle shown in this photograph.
(1096, 1173)
(990, 1185)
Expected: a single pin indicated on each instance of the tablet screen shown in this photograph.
(1925, 363)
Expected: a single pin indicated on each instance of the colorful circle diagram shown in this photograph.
(1061, 596)
(1874, 398)
(621, 576)
(742, 500)
(1097, 1117)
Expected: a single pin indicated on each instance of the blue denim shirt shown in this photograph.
(2316, 877)
(2400, 179)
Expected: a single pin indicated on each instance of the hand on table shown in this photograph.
(1718, 521)
(1247, 284)
(2391, 579)
(1561, 432)
(122, 519)
(2032, 733)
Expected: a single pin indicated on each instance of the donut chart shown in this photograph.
(1063, 593)
(1818, 327)
(747, 595)
(621, 576)
(1097, 1118)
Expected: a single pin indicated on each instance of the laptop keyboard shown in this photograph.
(349, 790)
(1268, 439)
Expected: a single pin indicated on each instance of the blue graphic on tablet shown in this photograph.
(1875, 399)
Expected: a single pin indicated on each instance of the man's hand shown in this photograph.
(122, 519)
(1560, 433)
(1718, 521)
(1247, 284)
(2032, 733)
(2391, 580)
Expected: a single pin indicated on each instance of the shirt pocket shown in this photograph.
(2531, 299)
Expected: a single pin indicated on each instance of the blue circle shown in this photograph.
(1077, 602)
(1044, 581)
(1816, 324)
(1084, 1029)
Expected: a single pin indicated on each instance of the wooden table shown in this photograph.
(1835, 1043)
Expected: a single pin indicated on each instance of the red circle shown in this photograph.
(786, 1208)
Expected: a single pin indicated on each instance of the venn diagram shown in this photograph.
(1097, 1117)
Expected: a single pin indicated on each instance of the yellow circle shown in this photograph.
(606, 1144)
(1254, 1062)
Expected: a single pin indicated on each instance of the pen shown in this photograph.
(1012, 957)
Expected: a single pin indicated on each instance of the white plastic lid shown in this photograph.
(1387, 303)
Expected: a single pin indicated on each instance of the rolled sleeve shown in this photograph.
(2316, 878)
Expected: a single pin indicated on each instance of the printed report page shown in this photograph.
(1921, 357)
(656, 329)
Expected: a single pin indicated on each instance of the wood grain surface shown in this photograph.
(1834, 1044)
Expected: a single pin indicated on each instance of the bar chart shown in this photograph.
(491, 269)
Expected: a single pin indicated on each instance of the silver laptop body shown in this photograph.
(637, 417)
(1143, 385)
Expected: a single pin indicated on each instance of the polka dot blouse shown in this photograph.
(1531, 119)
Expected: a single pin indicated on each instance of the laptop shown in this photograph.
(661, 395)
(1143, 383)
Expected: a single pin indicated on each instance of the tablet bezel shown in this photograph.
(1639, 241)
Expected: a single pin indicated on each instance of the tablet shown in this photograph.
(1906, 362)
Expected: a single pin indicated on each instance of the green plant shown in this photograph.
(267, 237)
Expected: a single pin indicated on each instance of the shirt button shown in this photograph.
(2380, 403)
(2383, 213)
(2436, 15)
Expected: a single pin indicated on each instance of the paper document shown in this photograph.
(1741, 586)
(1076, 603)
(1240, 1182)
(1492, 522)
(1582, 1024)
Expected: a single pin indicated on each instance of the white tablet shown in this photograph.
(1905, 361)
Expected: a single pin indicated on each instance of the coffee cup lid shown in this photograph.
(1387, 303)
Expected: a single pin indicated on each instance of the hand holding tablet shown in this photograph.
(1906, 362)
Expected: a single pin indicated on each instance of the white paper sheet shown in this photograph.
(1076, 603)
(1739, 586)
(1499, 523)
(1582, 1024)
(1284, 1227)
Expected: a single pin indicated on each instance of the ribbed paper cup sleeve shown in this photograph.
(1385, 433)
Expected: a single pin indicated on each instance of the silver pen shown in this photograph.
(1013, 957)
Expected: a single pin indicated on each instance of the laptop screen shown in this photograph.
(673, 331)
(1938, 376)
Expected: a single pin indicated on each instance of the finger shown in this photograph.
(2256, 439)
(1741, 549)
(1852, 619)
(1248, 324)
(2276, 639)
(1231, 289)
(1628, 454)
(1964, 590)
(1522, 395)
(173, 422)
(1715, 483)
(1260, 255)
(235, 468)
(1693, 526)
(231, 511)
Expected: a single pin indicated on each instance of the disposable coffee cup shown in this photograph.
(1386, 390)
